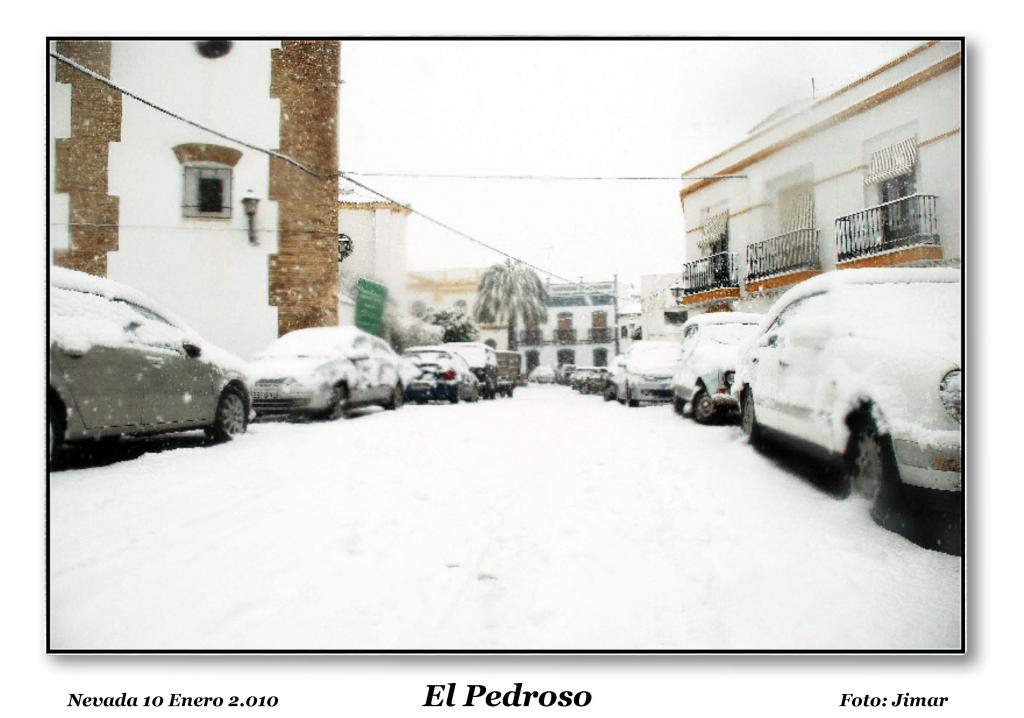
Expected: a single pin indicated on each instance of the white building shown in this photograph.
(582, 327)
(156, 203)
(869, 175)
(375, 246)
(661, 319)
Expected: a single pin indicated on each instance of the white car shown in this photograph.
(542, 374)
(707, 361)
(645, 374)
(326, 371)
(864, 365)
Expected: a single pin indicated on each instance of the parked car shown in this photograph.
(863, 367)
(706, 367)
(563, 372)
(508, 372)
(646, 373)
(120, 364)
(483, 360)
(441, 375)
(542, 374)
(589, 379)
(326, 372)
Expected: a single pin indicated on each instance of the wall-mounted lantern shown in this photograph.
(250, 203)
(344, 247)
(677, 291)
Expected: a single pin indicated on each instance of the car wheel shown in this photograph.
(339, 403)
(871, 467)
(748, 419)
(633, 403)
(678, 404)
(54, 437)
(397, 398)
(454, 398)
(231, 417)
(704, 410)
(609, 393)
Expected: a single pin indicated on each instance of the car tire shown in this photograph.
(397, 398)
(339, 403)
(630, 401)
(55, 436)
(871, 470)
(704, 410)
(454, 398)
(678, 404)
(231, 418)
(748, 417)
(609, 393)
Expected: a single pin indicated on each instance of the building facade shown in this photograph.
(661, 318)
(582, 327)
(209, 227)
(374, 246)
(868, 176)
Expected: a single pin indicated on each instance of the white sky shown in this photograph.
(568, 108)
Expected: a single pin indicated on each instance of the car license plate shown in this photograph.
(421, 385)
(259, 395)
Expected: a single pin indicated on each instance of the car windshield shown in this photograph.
(307, 343)
(909, 312)
(421, 356)
(728, 334)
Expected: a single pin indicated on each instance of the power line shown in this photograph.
(285, 158)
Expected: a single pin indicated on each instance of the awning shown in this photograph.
(714, 228)
(892, 161)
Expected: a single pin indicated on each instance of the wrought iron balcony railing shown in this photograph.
(564, 336)
(905, 222)
(531, 337)
(715, 272)
(783, 253)
(602, 334)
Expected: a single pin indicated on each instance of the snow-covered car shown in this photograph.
(864, 366)
(542, 374)
(646, 372)
(563, 372)
(589, 379)
(483, 360)
(120, 364)
(442, 375)
(707, 363)
(325, 371)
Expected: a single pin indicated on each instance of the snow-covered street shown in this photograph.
(549, 521)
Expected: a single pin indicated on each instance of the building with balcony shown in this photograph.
(581, 329)
(867, 176)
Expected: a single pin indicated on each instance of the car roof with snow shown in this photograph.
(73, 280)
(725, 318)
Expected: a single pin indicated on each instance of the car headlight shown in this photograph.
(951, 394)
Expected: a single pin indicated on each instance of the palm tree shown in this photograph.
(508, 292)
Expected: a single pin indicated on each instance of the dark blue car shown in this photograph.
(444, 376)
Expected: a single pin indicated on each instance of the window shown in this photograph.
(566, 356)
(625, 332)
(600, 357)
(532, 360)
(207, 191)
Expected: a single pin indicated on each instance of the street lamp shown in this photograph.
(250, 204)
(677, 291)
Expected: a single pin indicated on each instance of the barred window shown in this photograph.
(207, 191)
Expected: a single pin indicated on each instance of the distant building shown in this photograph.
(581, 328)
(154, 202)
(374, 245)
(867, 176)
(630, 325)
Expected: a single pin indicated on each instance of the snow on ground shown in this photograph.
(549, 521)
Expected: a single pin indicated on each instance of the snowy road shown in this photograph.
(550, 521)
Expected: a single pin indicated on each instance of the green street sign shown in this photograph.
(370, 300)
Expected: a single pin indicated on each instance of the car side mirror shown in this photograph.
(192, 350)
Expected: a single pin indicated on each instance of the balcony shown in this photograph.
(531, 337)
(903, 231)
(783, 259)
(711, 279)
(564, 336)
(601, 335)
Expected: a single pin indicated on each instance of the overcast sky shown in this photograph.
(566, 108)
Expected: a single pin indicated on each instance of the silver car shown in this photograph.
(120, 364)
(326, 371)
